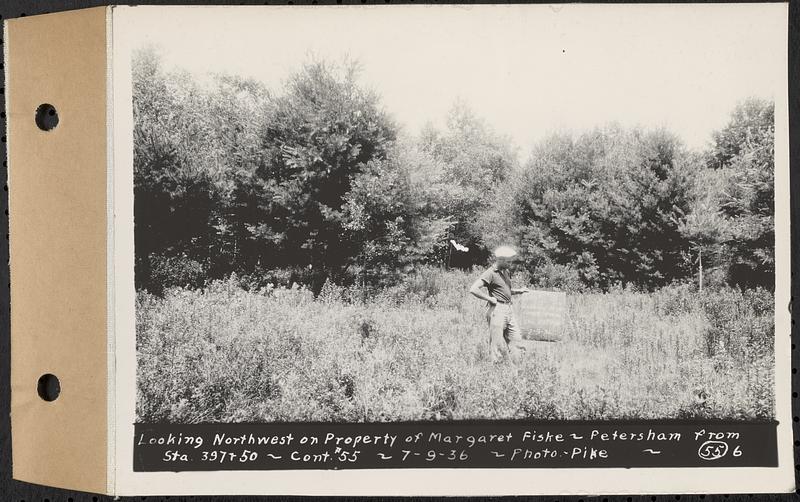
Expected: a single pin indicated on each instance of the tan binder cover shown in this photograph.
(58, 225)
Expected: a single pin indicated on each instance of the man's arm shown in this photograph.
(476, 291)
(519, 291)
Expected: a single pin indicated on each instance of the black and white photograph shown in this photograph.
(550, 214)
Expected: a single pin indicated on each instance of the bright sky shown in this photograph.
(526, 69)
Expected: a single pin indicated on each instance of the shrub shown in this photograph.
(172, 271)
(556, 276)
(740, 323)
(676, 299)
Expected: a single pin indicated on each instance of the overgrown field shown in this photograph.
(419, 351)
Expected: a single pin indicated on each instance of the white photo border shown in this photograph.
(126, 33)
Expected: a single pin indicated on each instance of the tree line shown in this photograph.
(315, 181)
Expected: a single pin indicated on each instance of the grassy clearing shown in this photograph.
(419, 351)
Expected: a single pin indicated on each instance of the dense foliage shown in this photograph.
(603, 205)
(315, 182)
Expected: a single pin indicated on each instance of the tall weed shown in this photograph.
(418, 351)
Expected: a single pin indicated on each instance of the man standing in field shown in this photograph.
(504, 335)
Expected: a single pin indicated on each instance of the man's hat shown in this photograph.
(505, 252)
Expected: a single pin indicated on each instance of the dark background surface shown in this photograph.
(15, 491)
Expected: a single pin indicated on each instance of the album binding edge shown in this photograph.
(58, 247)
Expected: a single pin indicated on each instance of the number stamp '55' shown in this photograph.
(713, 450)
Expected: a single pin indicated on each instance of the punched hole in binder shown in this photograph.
(48, 387)
(46, 117)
